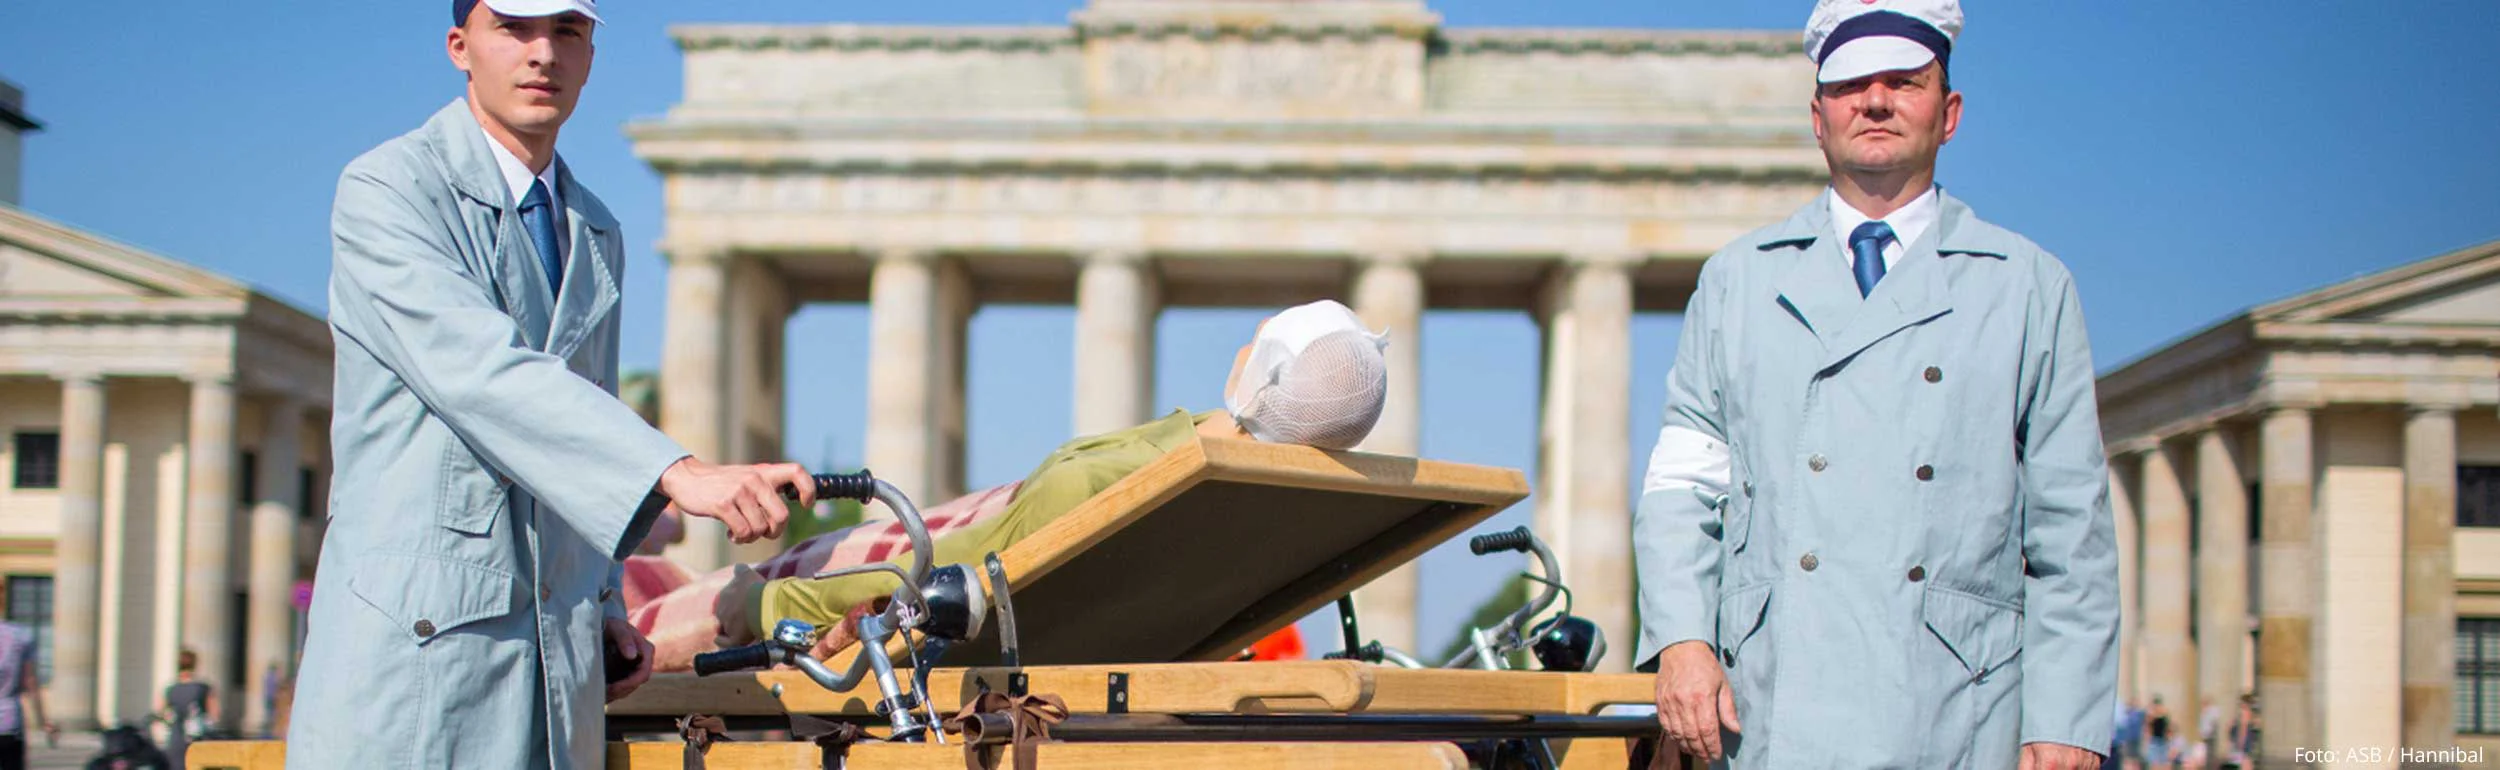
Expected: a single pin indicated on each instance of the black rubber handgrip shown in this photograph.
(1369, 652)
(861, 486)
(1514, 540)
(759, 655)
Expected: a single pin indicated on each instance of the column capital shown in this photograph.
(1394, 257)
(2434, 408)
(698, 255)
(1119, 255)
(219, 379)
(79, 377)
(918, 255)
(1606, 258)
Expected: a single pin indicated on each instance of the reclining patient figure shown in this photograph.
(1312, 375)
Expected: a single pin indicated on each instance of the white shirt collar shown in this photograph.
(516, 175)
(1908, 223)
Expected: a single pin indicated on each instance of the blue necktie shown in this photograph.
(1866, 246)
(539, 217)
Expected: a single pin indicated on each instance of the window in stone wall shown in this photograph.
(2478, 675)
(38, 461)
(30, 605)
(2478, 495)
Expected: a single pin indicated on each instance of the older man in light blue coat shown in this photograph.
(1875, 532)
(487, 480)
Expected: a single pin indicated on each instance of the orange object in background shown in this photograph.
(1285, 644)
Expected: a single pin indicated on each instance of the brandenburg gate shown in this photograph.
(1248, 153)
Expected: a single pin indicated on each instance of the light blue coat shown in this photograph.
(487, 481)
(1943, 424)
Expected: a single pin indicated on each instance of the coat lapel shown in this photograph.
(511, 266)
(590, 291)
(1817, 289)
(1919, 288)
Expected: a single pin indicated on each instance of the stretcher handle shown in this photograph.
(753, 656)
(864, 487)
(1368, 653)
(1518, 539)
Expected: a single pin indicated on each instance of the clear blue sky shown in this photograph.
(2186, 159)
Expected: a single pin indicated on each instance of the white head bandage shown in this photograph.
(1315, 377)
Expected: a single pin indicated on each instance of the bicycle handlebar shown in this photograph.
(757, 655)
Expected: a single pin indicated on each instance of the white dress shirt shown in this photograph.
(1908, 223)
(516, 175)
(1687, 459)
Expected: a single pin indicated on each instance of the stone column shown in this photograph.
(2221, 569)
(2130, 564)
(2169, 660)
(2289, 603)
(272, 602)
(754, 409)
(207, 569)
(2430, 598)
(1389, 294)
(1592, 371)
(1115, 316)
(902, 297)
(75, 577)
(951, 348)
(693, 404)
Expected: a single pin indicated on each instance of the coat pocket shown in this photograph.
(1736, 520)
(1741, 613)
(472, 496)
(427, 596)
(1982, 632)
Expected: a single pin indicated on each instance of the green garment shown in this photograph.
(1071, 475)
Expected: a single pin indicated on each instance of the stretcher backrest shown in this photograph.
(1223, 541)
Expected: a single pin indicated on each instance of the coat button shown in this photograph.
(1918, 574)
(546, 594)
(1926, 473)
(604, 593)
(1808, 562)
(1817, 463)
(1748, 489)
(1934, 374)
(425, 628)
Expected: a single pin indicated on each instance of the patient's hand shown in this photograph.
(734, 608)
(842, 635)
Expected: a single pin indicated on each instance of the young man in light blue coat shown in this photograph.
(487, 480)
(1876, 530)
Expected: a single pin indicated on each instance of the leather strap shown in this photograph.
(1029, 719)
(700, 733)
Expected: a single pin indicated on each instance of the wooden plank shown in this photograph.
(1158, 756)
(271, 755)
(1182, 688)
(1285, 687)
(1274, 687)
(236, 755)
(1361, 472)
(735, 755)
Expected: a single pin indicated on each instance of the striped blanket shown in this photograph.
(675, 609)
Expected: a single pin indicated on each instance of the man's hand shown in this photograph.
(629, 641)
(1694, 701)
(51, 735)
(2058, 756)
(746, 498)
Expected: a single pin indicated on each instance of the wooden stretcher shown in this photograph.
(1129, 605)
